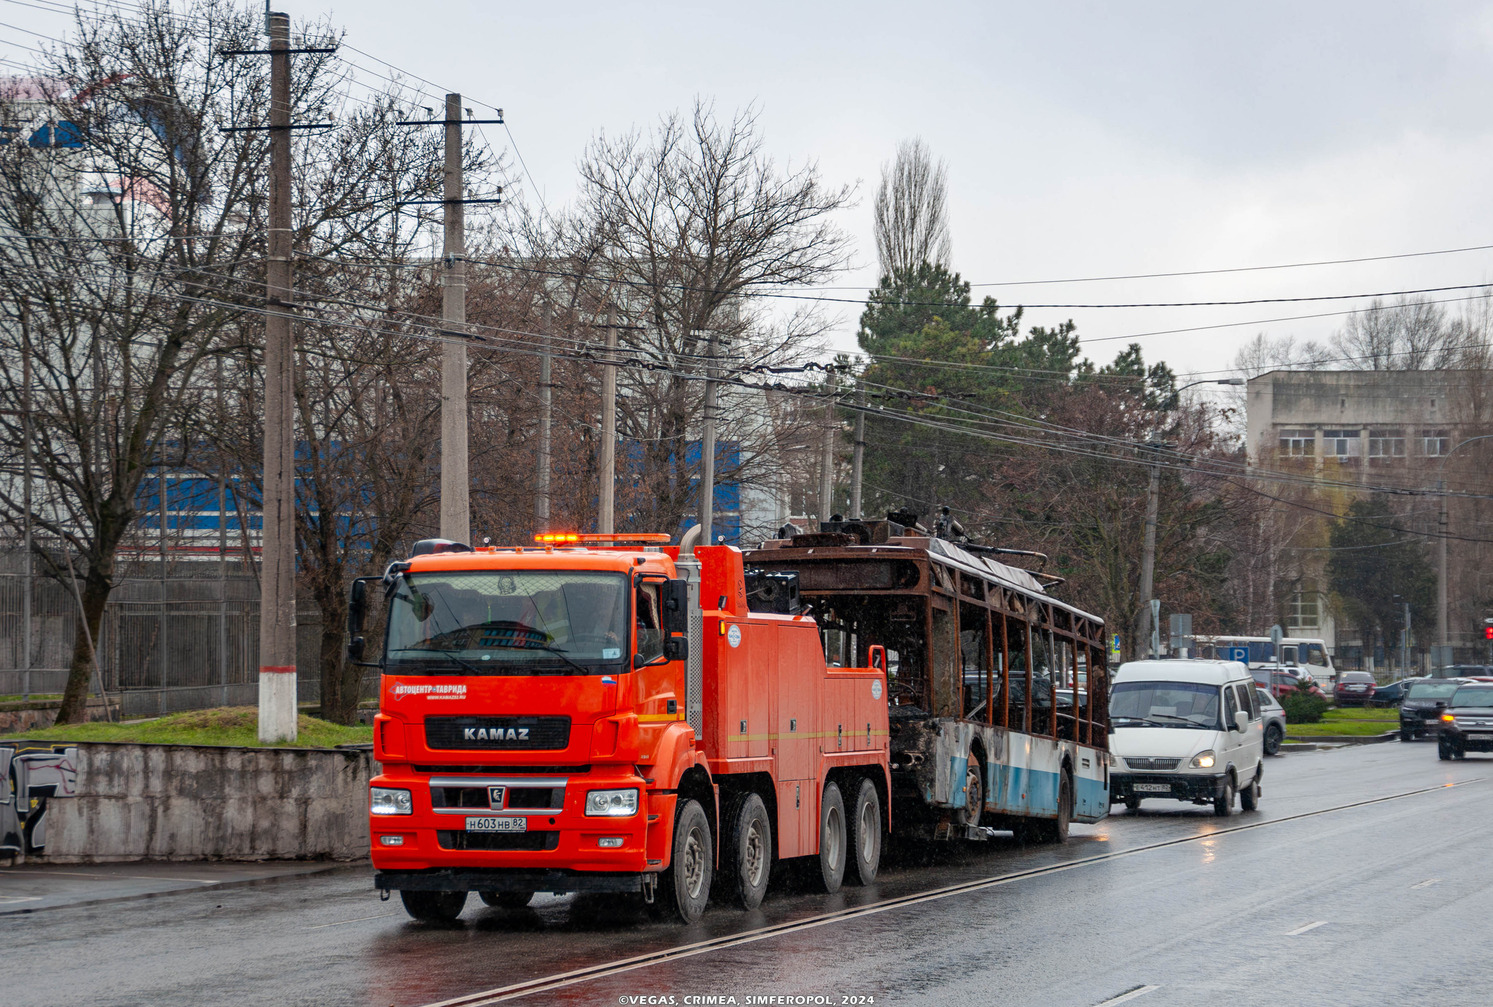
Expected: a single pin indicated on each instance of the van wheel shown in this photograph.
(1132, 804)
(1249, 797)
(1223, 804)
(433, 907)
(684, 887)
(831, 839)
(748, 843)
(865, 835)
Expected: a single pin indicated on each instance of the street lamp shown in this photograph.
(1143, 617)
(1443, 643)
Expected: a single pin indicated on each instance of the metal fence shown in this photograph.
(175, 636)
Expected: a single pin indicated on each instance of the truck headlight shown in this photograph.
(612, 803)
(1203, 760)
(389, 801)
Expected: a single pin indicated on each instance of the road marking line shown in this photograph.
(339, 923)
(1303, 929)
(1139, 991)
(1425, 884)
(20, 898)
(543, 984)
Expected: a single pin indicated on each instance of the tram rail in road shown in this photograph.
(604, 970)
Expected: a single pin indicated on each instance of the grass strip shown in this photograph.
(234, 726)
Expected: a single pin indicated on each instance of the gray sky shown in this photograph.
(1081, 139)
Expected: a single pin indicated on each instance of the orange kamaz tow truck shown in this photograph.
(609, 713)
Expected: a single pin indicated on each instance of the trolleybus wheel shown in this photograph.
(747, 840)
(974, 792)
(865, 834)
(433, 906)
(1055, 830)
(506, 900)
(684, 887)
(831, 839)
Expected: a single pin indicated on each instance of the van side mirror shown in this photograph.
(1241, 721)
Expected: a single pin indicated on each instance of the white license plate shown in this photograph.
(516, 823)
(1152, 788)
(1477, 734)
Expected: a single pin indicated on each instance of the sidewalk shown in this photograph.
(36, 886)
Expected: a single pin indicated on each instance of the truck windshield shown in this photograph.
(513, 622)
(1164, 704)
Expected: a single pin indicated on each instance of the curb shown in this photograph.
(325, 867)
(1318, 740)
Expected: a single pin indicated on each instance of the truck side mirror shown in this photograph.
(355, 648)
(675, 596)
(676, 648)
(357, 608)
(877, 657)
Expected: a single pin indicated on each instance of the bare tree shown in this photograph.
(912, 223)
(1412, 334)
(687, 220)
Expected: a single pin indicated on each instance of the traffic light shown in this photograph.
(1488, 632)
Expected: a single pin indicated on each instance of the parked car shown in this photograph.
(1274, 716)
(1394, 693)
(1278, 681)
(1353, 687)
(1420, 712)
(1467, 722)
(1462, 670)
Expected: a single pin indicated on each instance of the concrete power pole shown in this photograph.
(455, 504)
(857, 457)
(707, 449)
(827, 456)
(277, 635)
(607, 467)
(546, 419)
(1147, 562)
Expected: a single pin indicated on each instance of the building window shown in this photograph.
(1386, 444)
(1435, 443)
(1298, 443)
(1340, 444)
(1301, 611)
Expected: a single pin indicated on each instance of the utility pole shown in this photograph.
(546, 401)
(827, 456)
(1148, 559)
(857, 456)
(455, 504)
(26, 505)
(1405, 644)
(456, 511)
(1443, 655)
(707, 449)
(607, 469)
(277, 673)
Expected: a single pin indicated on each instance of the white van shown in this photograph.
(1186, 731)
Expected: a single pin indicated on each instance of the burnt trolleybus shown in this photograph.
(998, 692)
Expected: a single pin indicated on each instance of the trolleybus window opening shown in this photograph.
(989, 669)
(1005, 671)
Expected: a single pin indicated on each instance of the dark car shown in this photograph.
(1354, 688)
(1420, 712)
(1462, 670)
(1394, 693)
(1467, 722)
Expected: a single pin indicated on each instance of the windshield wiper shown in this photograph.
(1153, 719)
(547, 648)
(449, 654)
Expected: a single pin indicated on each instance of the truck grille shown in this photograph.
(497, 733)
(514, 798)
(450, 839)
(1152, 764)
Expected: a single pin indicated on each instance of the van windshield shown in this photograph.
(1165, 704)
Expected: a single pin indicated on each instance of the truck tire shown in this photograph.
(746, 842)
(865, 835)
(684, 887)
(506, 900)
(832, 839)
(433, 907)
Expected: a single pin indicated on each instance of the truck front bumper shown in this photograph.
(559, 882)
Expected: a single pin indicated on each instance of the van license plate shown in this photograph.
(1150, 788)
(516, 823)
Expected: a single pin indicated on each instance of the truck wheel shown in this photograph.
(1223, 804)
(747, 841)
(684, 887)
(506, 900)
(865, 835)
(435, 907)
(831, 839)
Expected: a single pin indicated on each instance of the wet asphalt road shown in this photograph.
(1318, 898)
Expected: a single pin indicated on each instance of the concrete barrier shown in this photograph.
(198, 802)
